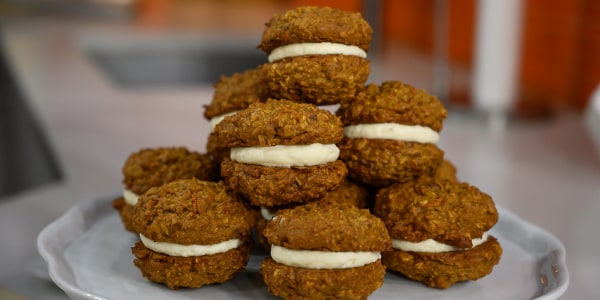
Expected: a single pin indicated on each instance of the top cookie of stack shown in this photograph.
(316, 55)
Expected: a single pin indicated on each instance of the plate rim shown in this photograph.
(53, 259)
(48, 245)
(559, 260)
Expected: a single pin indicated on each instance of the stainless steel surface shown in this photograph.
(26, 160)
(134, 62)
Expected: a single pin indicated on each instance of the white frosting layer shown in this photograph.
(431, 245)
(324, 48)
(266, 214)
(286, 156)
(173, 249)
(322, 259)
(393, 131)
(130, 197)
(215, 120)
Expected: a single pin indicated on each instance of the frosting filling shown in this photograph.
(173, 249)
(393, 131)
(286, 156)
(266, 214)
(130, 197)
(433, 246)
(322, 259)
(324, 48)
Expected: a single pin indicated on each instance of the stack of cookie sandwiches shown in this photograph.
(325, 252)
(232, 93)
(438, 225)
(170, 194)
(284, 158)
(192, 233)
(153, 167)
(337, 196)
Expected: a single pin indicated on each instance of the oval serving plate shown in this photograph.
(89, 257)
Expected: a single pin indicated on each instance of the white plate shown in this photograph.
(88, 255)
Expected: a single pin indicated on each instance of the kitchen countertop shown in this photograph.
(547, 171)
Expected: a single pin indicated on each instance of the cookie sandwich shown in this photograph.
(153, 167)
(232, 93)
(316, 54)
(391, 133)
(282, 153)
(192, 233)
(439, 230)
(324, 252)
(349, 192)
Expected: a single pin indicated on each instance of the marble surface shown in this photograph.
(547, 172)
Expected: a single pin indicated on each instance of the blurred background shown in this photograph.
(523, 59)
(85, 82)
(558, 65)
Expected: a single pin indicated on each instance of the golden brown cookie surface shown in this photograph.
(393, 102)
(447, 211)
(271, 186)
(181, 212)
(332, 228)
(316, 24)
(442, 270)
(317, 79)
(298, 283)
(152, 167)
(379, 162)
(190, 272)
(236, 92)
(279, 122)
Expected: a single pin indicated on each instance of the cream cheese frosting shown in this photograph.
(322, 259)
(325, 48)
(174, 249)
(286, 156)
(130, 197)
(393, 131)
(432, 246)
(266, 214)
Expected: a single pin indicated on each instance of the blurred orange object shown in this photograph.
(233, 16)
(152, 13)
(560, 56)
(410, 22)
(552, 45)
(348, 5)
